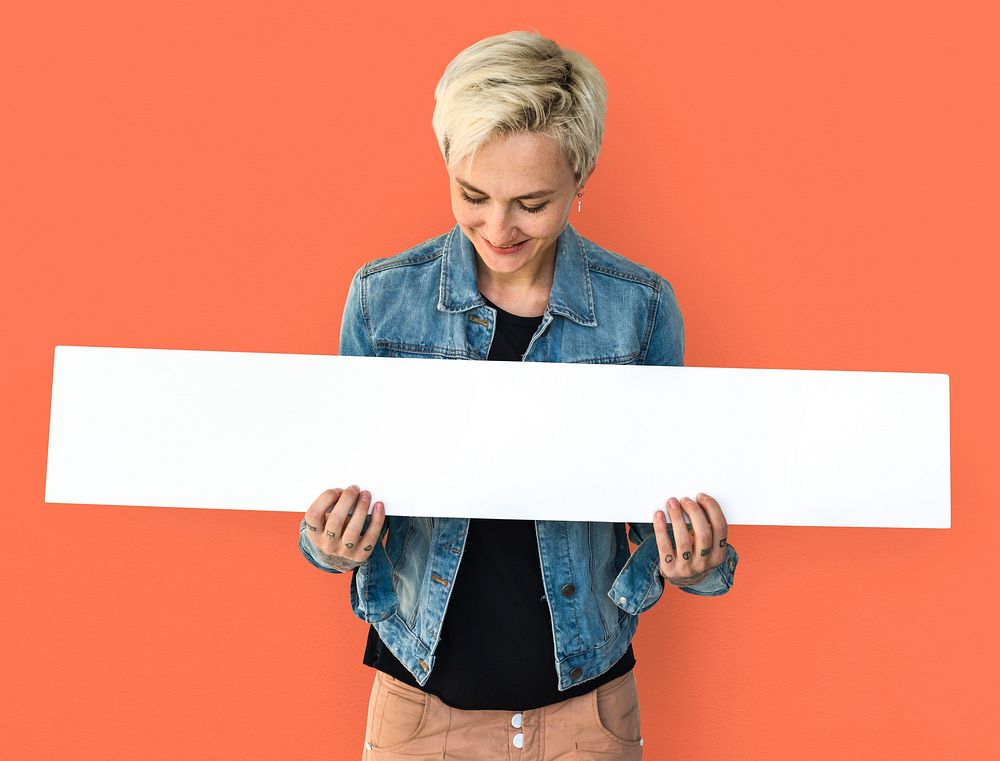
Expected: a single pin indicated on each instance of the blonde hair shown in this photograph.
(517, 82)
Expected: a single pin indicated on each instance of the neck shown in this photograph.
(537, 275)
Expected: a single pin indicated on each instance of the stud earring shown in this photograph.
(579, 200)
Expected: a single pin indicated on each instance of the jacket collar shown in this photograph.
(571, 295)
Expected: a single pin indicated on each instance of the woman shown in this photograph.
(529, 655)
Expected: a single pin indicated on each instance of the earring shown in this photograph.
(579, 200)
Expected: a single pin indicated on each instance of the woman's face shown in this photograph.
(517, 193)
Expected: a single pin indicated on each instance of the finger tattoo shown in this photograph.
(348, 545)
(705, 551)
(311, 528)
(669, 558)
(368, 548)
(331, 534)
(687, 554)
(722, 542)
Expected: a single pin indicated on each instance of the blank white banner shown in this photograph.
(529, 440)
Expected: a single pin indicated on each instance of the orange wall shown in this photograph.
(817, 180)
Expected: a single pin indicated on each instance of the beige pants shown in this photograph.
(407, 724)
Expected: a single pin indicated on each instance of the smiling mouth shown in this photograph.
(508, 247)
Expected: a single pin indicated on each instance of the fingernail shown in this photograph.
(366, 494)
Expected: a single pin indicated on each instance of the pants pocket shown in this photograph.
(616, 709)
(396, 715)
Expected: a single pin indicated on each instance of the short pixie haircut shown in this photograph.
(521, 82)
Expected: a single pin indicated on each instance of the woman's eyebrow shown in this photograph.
(536, 194)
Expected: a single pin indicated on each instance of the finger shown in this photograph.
(355, 525)
(720, 527)
(370, 537)
(682, 539)
(334, 530)
(316, 512)
(668, 555)
(702, 545)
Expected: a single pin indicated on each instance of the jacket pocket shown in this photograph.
(373, 597)
(605, 560)
(419, 351)
(622, 357)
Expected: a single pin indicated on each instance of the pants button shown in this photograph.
(519, 740)
(516, 721)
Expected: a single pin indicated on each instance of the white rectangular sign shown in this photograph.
(529, 440)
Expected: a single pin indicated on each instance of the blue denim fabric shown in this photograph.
(603, 308)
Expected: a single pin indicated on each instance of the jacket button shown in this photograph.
(569, 590)
(576, 673)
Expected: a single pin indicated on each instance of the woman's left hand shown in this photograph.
(700, 548)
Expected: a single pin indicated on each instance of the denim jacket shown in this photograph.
(603, 308)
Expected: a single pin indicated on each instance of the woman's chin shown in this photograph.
(505, 263)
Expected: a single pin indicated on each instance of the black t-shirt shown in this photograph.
(496, 649)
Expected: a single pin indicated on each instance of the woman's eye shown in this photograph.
(475, 201)
(470, 199)
(533, 209)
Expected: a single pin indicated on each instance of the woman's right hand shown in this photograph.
(335, 521)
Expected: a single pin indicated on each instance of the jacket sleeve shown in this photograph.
(645, 562)
(355, 329)
(309, 551)
(666, 340)
(355, 341)
(666, 347)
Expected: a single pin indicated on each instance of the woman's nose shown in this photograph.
(498, 228)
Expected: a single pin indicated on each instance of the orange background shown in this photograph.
(817, 180)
